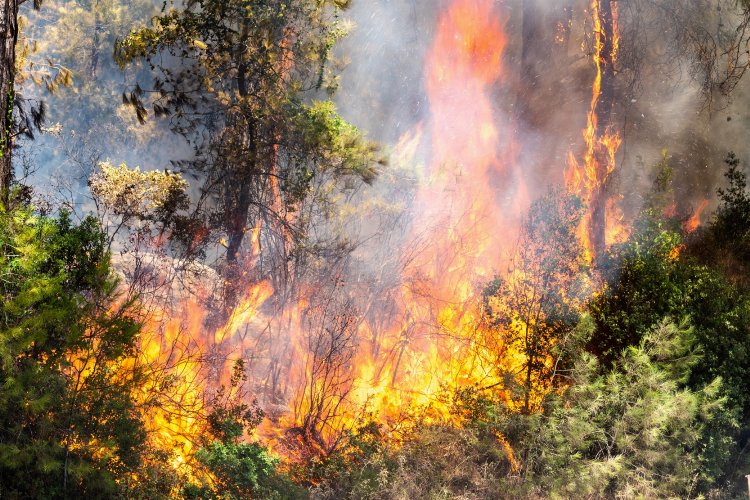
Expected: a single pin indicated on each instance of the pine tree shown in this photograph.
(68, 424)
(241, 86)
(634, 431)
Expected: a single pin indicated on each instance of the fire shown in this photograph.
(695, 220)
(177, 350)
(186, 361)
(436, 342)
(350, 366)
(172, 352)
(588, 179)
(330, 364)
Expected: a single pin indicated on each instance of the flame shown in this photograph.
(674, 254)
(186, 360)
(588, 179)
(617, 231)
(171, 350)
(177, 349)
(436, 342)
(515, 465)
(695, 220)
(329, 363)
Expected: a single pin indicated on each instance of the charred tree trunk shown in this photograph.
(238, 201)
(9, 20)
(250, 159)
(603, 113)
(545, 32)
(237, 188)
(242, 157)
(98, 28)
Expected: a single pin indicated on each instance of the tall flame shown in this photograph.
(589, 178)
(464, 225)
(337, 366)
(462, 228)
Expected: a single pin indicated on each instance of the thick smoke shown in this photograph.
(87, 122)
(662, 104)
(382, 90)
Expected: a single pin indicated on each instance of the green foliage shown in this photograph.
(68, 422)
(653, 276)
(632, 431)
(644, 283)
(354, 468)
(731, 226)
(338, 144)
(537, 305)
(247, 95)
(725, 244)
(230, 416)
(231, 468)
(635, 431)
(436, 462)
(242, 470)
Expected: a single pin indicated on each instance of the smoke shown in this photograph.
(459, 217)
(87, 122)
(662, 103)
(382, 87)
(382, 90)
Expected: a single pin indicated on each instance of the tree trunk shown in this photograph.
(9, 20)
(94, 65)
(545, 32)
(237, 206)
(252, 191)
(237, 218)
(604, 121)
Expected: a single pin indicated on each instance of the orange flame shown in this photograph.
(437, 342)
(695, 220)
(435, 339)
(589, 179)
